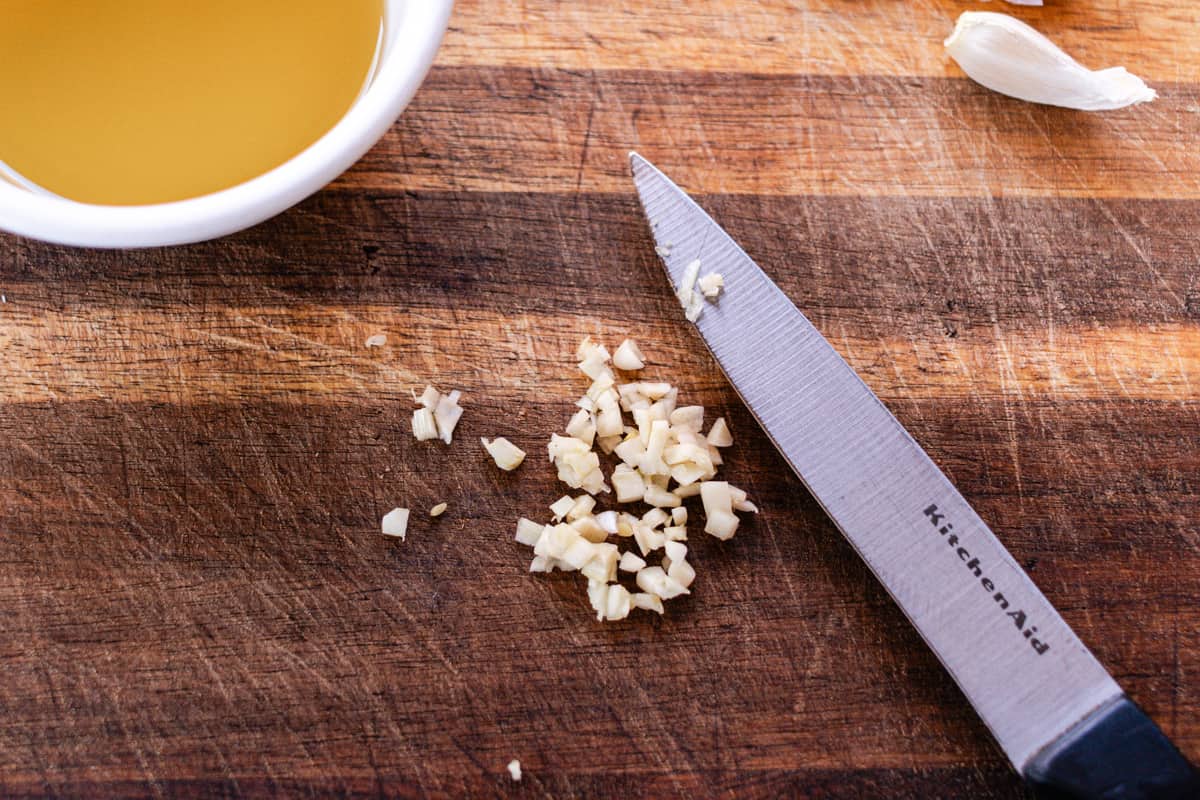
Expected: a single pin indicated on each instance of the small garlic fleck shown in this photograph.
(711, 285)
(395, 523)
(437, 510)
(378, 340)
(506, 454)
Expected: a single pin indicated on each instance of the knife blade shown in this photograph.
(1052, 707)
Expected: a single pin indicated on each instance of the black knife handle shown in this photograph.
(1115, 753)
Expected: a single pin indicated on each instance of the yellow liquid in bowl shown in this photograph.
(125, 102)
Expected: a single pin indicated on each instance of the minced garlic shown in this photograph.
(664, 456)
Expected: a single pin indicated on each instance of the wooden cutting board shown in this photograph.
(198, 446)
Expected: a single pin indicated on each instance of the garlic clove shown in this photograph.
(1008, 56)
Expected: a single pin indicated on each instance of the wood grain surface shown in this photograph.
(198, 446)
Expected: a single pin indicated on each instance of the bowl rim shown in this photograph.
(415, 31)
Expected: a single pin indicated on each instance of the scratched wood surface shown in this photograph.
(197, 445)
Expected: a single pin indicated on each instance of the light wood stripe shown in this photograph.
(305, 354)
(540, 130)
(825, 37)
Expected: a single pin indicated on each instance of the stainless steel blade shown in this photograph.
(1023, 669)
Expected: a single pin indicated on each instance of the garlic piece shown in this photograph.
(582, 507)
(690, 417)
(437, 510)
(424, 426)
(650, 602)
(628, 484)
(447, 414)
(740, 503)
(718, 508)
(631, 562)
(676, 551)
(657, 582)
(429, 398)
(628, 357)
(582, 427)
(1008, 56)
(675, 533)
(378, 340)
(719, 434)
(395, 523)
(655, 517)
(681, 572)
(542, 564)
(660, 497)
(561, 506)
(514, 770)
(528, 531)
(618, 603)
(608, 521)
(687, 284)
(648, 540)
(711, 285)
(602, 566)
(590, 529)
(506, 454)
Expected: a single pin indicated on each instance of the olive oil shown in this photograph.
(125, 102)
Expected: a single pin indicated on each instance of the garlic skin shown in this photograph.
(1009, 57)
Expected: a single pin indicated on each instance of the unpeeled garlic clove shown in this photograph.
(1008, 56)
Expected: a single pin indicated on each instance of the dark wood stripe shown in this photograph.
(1108, 476)
(485, 780)
(881, 266)
(213, 577)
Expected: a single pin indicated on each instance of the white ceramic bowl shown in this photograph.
(413, 31)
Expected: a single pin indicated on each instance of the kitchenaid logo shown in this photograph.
(946, 529)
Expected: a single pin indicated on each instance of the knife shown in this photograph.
(1057, 714)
